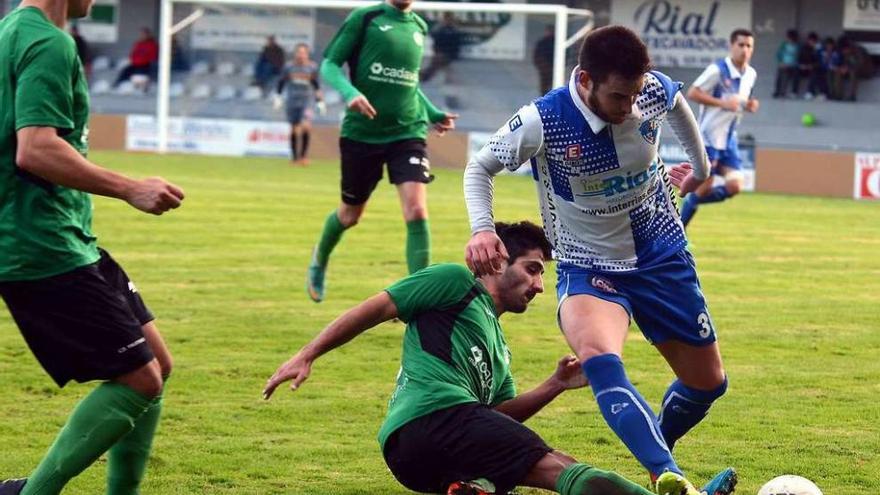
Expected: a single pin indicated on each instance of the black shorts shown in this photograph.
(362, 166)
(463, 443)
(84, 324)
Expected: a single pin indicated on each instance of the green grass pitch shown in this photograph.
(793, 284)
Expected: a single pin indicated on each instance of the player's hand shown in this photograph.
(154, 195)
(682, 177)
(485, 254)
(568, 374)
(321, 107)
(752, 105)
(447, 124)
(731, 104)
(277, 102)
(362, 105)
(297, 369)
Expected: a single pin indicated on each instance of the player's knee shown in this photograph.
(349, 217)
(734, 186)
(147, 380)
(415, 212)
(166, 365)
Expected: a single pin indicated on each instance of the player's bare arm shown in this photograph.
(368, 314)
(568, 376)
(44, 154)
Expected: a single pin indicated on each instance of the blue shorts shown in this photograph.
(665, 299)
(728, 158)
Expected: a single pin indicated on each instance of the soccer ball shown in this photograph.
(789, 484)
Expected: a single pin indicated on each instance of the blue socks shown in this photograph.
(692, 202)
(684, 407)
(627, 413)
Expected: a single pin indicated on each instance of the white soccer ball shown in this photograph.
(789, 484)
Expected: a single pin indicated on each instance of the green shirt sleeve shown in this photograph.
(43, 90)
(434, 114)
(338, 52)
(335, 77)
(435, 287)
(507, 390)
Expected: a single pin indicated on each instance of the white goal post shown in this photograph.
(167, 29)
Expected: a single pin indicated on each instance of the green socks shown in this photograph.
(418, 245)
(128, 458)
(418, 242)
(580, 479)
(330, 236)
(103, 417)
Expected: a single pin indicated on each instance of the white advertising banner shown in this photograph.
(867, 176)
(246, 28)
(102, 25)
(684, 33)
(486, 35)
(211, 136)
(861, 15)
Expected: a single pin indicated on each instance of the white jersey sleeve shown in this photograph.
(513, 144)
(708, 79)
(684, 125)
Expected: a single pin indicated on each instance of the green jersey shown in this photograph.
(383, 48)
(45, 229)
(454, 351)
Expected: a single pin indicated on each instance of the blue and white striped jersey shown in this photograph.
(723, 80)
(605, 200)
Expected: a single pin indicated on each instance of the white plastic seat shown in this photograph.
(201, 92)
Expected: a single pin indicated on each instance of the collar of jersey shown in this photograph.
(395, 12)
(483, 290)
(596, 123)
(734, 72)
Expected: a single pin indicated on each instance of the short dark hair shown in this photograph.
(740, 32)
(613, 49)
(792, 34)
(522, 236)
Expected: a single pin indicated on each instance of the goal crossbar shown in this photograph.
(561, 14)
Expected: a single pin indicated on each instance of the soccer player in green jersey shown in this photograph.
(76, 308)
(455, 403)
(386, 122)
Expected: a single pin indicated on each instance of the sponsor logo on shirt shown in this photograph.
(515, 123)
(573, 151)
(483, 372)
(612, 186)
(402, 76)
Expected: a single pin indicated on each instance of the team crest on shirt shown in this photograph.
(419, 38)
(573, 151)
(649, 130)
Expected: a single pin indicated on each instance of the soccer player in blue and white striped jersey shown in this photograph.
(724, 92)
(608, 210)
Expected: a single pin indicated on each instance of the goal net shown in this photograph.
(210, 84)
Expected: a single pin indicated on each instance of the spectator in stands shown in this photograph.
(787, 56)
(844, 82)
(828, 57)
(542, 58)
(447, 48)
(179, 61)
(142, 59)
(809, 67)
(82, 48)
(270, 63)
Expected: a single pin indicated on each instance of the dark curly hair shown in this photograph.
(522, 236)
